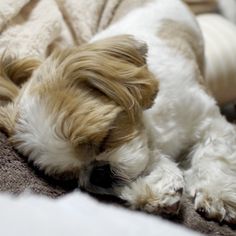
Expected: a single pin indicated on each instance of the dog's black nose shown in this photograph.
(101, 176)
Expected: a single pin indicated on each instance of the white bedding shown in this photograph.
(77, 214)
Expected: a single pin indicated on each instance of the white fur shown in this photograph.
(39, 134)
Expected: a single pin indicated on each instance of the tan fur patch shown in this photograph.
(181, 37)
(7, 119)
(13, 73)
(81, 115)
(121, 131)
(114, 66)
(18, 70)
(8, 91)
(86, 117)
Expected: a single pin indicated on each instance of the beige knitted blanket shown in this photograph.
(34, 28)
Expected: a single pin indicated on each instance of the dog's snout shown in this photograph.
(101, 176)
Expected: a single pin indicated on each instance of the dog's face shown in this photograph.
(81, 114)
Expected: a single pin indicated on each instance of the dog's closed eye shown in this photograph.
(102, 176)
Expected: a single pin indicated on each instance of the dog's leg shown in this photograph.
(211, 179)
(159, 191)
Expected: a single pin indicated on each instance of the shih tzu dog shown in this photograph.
(120, 112)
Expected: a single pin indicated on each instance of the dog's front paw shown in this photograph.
(214, 195)
(218, 206)
(211, 181)
(155, 198)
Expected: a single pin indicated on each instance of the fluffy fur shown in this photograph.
(84, 113)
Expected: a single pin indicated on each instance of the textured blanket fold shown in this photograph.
(34, 28)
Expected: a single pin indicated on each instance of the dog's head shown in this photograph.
(81, 113)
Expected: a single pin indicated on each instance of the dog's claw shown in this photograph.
(201, 211)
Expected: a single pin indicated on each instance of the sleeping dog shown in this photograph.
(122, 111)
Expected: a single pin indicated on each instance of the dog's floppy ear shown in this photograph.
(123, 47)
(116, 67)
(13, 73)
(18, 70)
(8, 115)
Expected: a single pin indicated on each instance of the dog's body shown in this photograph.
(69, 119)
